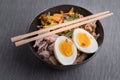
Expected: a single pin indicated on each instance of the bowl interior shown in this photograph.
(66, 8)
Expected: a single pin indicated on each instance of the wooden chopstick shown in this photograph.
(16, 38)
(61, 29)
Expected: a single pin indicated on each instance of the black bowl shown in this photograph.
(66, 8)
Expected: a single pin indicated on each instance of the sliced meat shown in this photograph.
(37, 42)
(93, 25)
(44, 54)
(80, 58)
(88, 28)
(94, 35)
(41, 45)
(78, 53)
(51, 47)
(51, 39)
(45, 47)
(53, 60)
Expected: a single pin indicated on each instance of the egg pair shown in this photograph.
(66, 51)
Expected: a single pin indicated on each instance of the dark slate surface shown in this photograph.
(18, 63)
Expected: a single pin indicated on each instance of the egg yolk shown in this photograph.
(83, 40)
(66, 48)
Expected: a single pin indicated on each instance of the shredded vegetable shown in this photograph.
(48, 20)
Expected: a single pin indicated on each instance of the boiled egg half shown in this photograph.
(84, 41)
(65, 50)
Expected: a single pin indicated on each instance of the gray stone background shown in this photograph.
(18, 63)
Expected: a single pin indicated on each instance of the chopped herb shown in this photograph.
(69, 33)
(71, 18)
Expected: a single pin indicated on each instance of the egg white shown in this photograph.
(93, 43)
(64, 60)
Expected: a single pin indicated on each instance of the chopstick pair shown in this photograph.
(59, 28)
